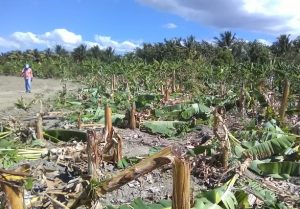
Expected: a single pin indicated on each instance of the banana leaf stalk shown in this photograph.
(132, 117)
(39, 127)
(94, 154)
(174, 82)
(181, 184)
(5, 134)
(108, 122)
(242, 100)
(298, 106)
(28, 154)
(284, 102)
(222, 135)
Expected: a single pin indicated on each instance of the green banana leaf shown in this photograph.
(176, 107)
(242, 198)
(75, 103)
(145, 99)
(256, 188)
(127, 161)
(270, 130)
(165, 128)
(218, 198)
(57, 135)
(196, 109)
(115, 118)
(183, 111)
(201, 149)
(270, 147)
(170, 112)
(164, 115)
(280, 169)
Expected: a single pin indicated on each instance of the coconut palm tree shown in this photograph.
(48, 53)
(296, 44)
(259, 52)
(60, 50)
(191, 44)
(226, 39)
(79, 53)
(282, 45)
(94, 52)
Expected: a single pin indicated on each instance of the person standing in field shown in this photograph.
(27, 75)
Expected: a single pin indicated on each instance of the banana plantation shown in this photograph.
(181, 124)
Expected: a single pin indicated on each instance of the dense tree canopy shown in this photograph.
(160, 58)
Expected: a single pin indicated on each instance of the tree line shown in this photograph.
(225, 50)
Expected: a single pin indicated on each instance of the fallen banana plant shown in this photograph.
(165, 128)
(218, 198)
(155, 161)
(22, 104)
(5, 134)
(183, 111)
(283, 169)
(181, 175)
(28, 153)
(269, 148)
(57, 135)
(11, 183)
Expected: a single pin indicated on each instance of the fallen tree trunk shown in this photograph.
(155, 161)
(11, 183)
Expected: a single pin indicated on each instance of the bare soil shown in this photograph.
(12, 88)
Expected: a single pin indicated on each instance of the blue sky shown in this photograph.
(126, 24)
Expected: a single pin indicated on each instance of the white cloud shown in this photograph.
(270, 16)
(27, 38)
(106, 41)
(49, 39)
(4, 43)
(170, 26)
(264, 41)
(90, 44)
(63, 37)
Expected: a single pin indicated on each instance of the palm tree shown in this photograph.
(48, 53)
(109, 53)
(282, 45)
(79, 53)
(191, 44)
(15, 55)
(60, 50)
(296, 44)
(259, 52)
(240, 50)
(226, 39)
(94, 52)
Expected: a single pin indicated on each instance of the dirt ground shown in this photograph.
(13, 88)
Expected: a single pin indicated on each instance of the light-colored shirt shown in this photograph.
(27, 73)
